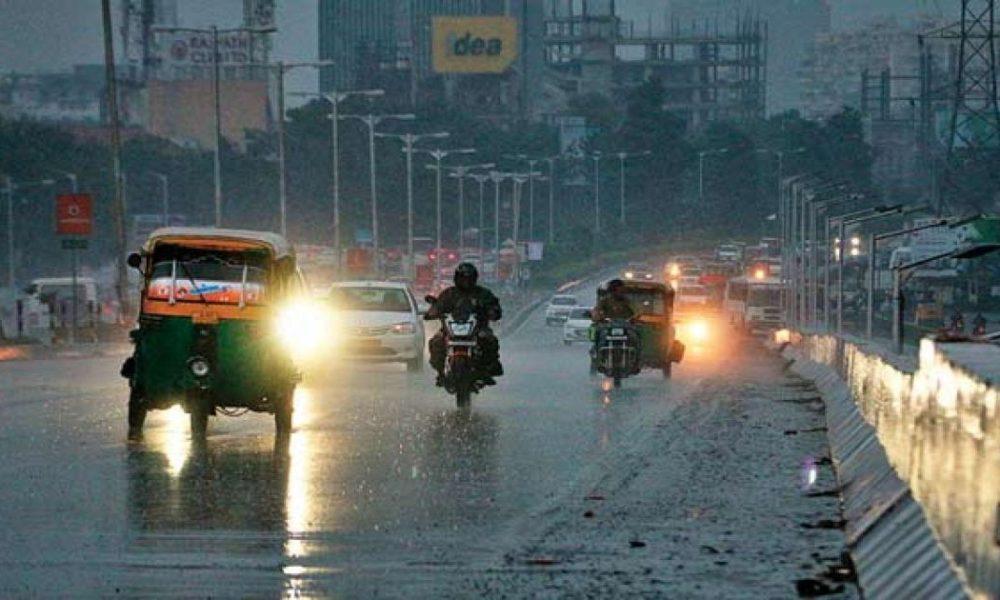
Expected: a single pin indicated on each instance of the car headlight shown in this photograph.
(404, 328)
(649, 275)
(629, 275)
(199, 366)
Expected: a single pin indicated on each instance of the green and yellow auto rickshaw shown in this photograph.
(653, 305)
(209, 333)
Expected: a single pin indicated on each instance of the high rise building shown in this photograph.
(387, 44)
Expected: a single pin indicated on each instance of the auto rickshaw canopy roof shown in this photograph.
(220, 239)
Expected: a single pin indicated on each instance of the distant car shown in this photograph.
(691, 296)
(559, 308)
(379, 322)
(577, 326)
(729, 253)
(638, 272)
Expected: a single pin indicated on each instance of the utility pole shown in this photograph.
(460, 173)
(118, 206)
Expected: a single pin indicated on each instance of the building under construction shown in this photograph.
(709, 73)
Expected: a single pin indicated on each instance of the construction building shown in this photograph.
(709, 72)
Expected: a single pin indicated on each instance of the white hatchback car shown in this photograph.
(577, 327)
(379, 321)
(559, 307)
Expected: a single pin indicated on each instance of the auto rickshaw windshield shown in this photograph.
(646, 302)
(212, 276)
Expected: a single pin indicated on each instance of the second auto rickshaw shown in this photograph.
(624, 348)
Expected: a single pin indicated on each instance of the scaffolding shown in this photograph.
(708, 73)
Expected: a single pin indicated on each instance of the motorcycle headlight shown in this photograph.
(404, 328)
(617, 331)
(199, 367)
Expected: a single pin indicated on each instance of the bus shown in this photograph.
(754, 304)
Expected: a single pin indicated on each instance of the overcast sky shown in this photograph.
(56, 34)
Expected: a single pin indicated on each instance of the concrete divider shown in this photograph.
(917, 449)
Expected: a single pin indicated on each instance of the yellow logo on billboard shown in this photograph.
(474, 44)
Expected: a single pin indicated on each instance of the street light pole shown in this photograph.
(409, 140)
(597, 194)
(372, 121)
(460, 173)
(164, 197)
(552, 178)
(217, 157)
(481, 180)
(622, 156)
(497, 178)
(439, 155)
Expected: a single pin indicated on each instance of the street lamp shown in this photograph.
(460, 173)
(372, 121)
(531, 189)
(481, 179)
(280, 68)
(622, 156)
(597, 195)
(335, 98)
(409, 140)
(9, 188)
(701, 170)
(498, 178)
(552, 178)
(217, 104)
(439, 155)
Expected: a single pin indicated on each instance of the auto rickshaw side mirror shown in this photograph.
(134, 260)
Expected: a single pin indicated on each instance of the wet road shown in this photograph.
(383, 487)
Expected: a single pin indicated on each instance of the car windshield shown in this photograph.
(764, 296)
(374, 299)
(564, 301)
(580, 313)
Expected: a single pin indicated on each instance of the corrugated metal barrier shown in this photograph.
(917, 450)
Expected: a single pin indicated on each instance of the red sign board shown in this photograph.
(74, 214)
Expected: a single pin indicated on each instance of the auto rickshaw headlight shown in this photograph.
(199, 367)
(303, 327)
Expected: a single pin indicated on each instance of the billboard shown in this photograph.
(183, 49)
(474, 44)
(74, 214)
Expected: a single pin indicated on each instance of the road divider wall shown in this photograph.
(917, 450)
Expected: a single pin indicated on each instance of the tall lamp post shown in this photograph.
(279, 69)
(409, 140)
(552, 211)
(531, 189)
(460, 173)
(165, 196)
(335, 98)
(498, 178)
(372, 121)
(596, 157)
(481, 179)
(439, 155)
(622, 157)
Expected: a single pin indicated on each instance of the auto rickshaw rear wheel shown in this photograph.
(136, 414)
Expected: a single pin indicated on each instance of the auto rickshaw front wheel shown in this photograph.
(136, 414)
(283, 413)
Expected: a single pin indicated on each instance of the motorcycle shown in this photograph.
(461, 334)
(617, 351)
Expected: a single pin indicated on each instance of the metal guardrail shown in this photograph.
(918, 453)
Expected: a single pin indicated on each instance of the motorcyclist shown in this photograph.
(613, 304)
(486, 307)
(979, 325)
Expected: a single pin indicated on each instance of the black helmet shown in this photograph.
(466, 276)
(615, 284)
